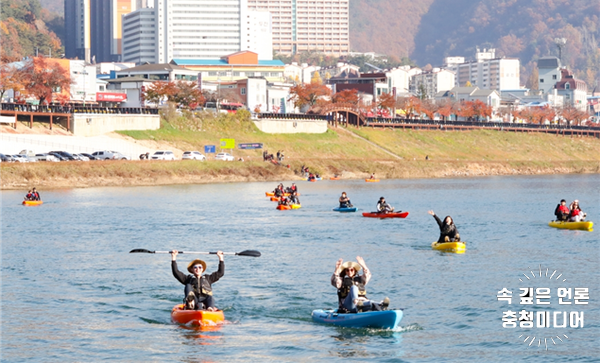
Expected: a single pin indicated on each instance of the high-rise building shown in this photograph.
(199, 29)
(303, 25)
(486, 71)
(139, 36)
(93, 28)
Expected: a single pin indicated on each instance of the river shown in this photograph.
(72, 292)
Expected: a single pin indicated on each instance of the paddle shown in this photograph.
(251, 253)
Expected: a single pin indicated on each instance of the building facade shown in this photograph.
(549, 73)
(303, 25)
(573, 90)
(486, 71)
(139, 37)
(432, 82)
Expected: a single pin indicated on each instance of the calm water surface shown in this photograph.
(72, 292)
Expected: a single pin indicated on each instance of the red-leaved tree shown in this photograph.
(42, 77)
(308, 94)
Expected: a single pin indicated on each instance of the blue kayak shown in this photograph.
(347, 209)
(387, 319)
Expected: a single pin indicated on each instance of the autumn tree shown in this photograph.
(445, 109)
(304, 95)
(481, 109)
(10, 79)
(409, 105)
(386, 101)
(159, 91)
(188, 95)
(41, 77)
(573, 116)
(347, 96)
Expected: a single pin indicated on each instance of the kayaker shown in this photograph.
(294, 198)
(562, 211)
(352, 294)
(292, 188)
(575, 214)
(283, 201)
(448, 231)
(29, 195)
(198, 287)
(345, 201)
(372, 176)
(383, 207)
(36, 195)
(278, 192)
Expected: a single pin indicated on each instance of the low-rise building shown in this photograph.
(431, 82)
(572, 89)
(299, 73)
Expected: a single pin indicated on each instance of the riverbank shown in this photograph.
(350, 153)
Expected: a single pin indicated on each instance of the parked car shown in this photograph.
(163, 155)
(20, 158)
(89, 156)
(46, 157)
(7, 158)
(224, 156)
(65, 155)
(58, 156)
(81, 157)
(109, 155)
(193, 155)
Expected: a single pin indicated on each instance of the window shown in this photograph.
(567, 86)
(243, 90)
(541, 80)
(554, 76)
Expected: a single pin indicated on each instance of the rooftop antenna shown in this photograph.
(560, 43)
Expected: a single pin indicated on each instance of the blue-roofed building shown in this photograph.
(239, 65)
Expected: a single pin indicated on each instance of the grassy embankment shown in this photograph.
(338, 151)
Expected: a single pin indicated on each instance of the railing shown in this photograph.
(485, 124)
(70, 109)
(292, 116)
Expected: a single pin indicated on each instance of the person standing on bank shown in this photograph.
(352, 294)
(198, 287)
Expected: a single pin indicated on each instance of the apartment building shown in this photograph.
(549, 72)
(308, 25)
(486, 71)
(139, 37)
(93, 28)
(432, 82)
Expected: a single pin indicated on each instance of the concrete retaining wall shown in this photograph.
(283, 126)
(89, 124)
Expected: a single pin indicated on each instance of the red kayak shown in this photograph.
(196, 317)
(385, 215)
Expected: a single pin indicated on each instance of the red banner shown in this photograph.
(111, 97)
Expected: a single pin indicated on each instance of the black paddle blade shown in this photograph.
(140, 250)
(251, 253)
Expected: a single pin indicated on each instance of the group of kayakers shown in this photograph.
(572, 213)
(287, 195)
(32, 194)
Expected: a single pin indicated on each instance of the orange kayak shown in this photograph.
(283, 207)
(385, 215)
(372, 180)
(196, 317)
(334, 178)
(274, 199)
(32, 202)
(271, 194)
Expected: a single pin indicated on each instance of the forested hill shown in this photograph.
(27, 29)
(429, 30)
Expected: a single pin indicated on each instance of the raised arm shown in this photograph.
(366, 273)
(336, 280)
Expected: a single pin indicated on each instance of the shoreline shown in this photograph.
(150, 173)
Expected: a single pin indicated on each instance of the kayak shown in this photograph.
(271, 194)
(296, 206)
(196, 317)
(385, 215)
(334, 178)
(274, 199)
(372, 180)
(283, 207)
(585, 225)
(456, 247)
(387, 319)
(32, 202)
(344, 210)
(315, 179)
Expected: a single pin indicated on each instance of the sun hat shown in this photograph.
(352, 264)
(195, 262)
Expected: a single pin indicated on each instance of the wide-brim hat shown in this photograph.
(353, 264)
(195, 262)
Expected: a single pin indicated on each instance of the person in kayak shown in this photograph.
(562, 211)
(345, 201)
(292, 188)
(383, 207)
(36, 195)
(283, 201)
(448, 231)
(278, 190)
(198, 287)
(294, 198)
(372, 177)
(352, 294)
(29, 195)
(575, 214)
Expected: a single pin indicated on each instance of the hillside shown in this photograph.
(26, 29)
(429, 30)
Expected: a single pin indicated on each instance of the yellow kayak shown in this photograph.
(296, 206)
(585, 226)
(456, 247)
